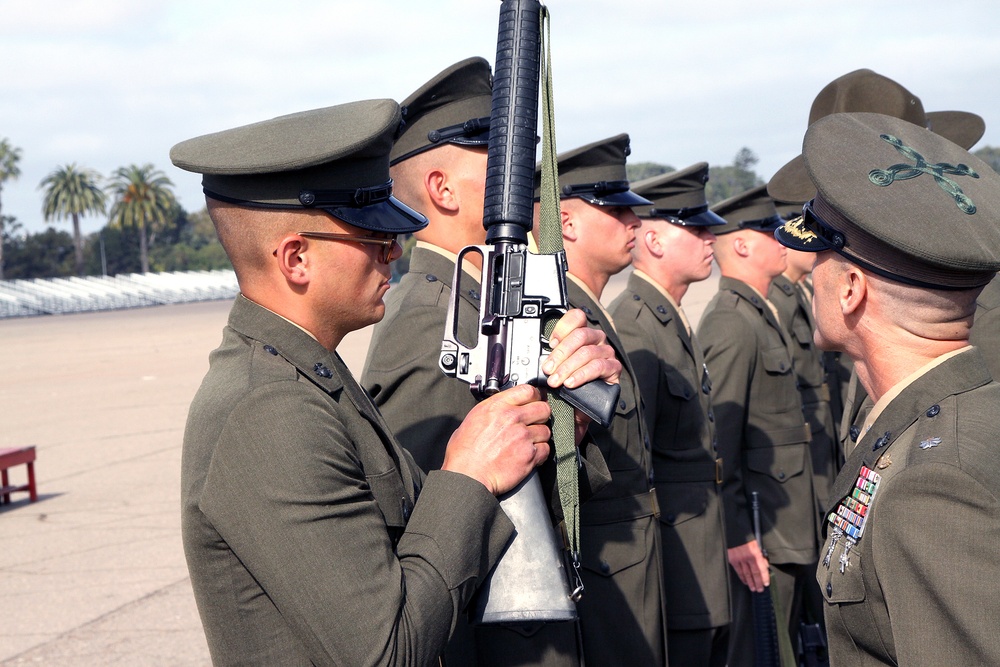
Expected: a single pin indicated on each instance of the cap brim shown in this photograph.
(707, 218)
(795, 235)
(390, 216)
(959, 127)
(625, 198)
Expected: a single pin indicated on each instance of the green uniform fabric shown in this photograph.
(986, 328)
(422, 405)
(304, 535)
(621, 613)
(920, 587)
(795, 312)
(762, 434)
(763, 440)
(675, 388)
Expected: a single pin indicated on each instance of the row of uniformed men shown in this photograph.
(704, 420)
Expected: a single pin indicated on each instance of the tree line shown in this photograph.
(148, 230)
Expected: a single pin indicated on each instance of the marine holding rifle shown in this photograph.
(438, 165)
(311, 536)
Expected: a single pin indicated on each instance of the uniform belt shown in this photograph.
(688, 471)
(613, 510)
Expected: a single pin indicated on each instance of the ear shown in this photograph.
(852, 290)
(740, 245)
(652, 241)
(440, 191)
(569, 228)
(293, 259)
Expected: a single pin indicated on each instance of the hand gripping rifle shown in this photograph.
(523, 294)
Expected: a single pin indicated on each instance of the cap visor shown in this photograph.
(704, 219)
(794, 234)
(390, 216)
(626, 198)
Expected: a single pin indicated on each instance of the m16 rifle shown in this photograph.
(522, 292)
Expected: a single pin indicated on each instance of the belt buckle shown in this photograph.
(718, 471)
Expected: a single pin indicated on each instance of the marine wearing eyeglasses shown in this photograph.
(906, 227)
(311, 536)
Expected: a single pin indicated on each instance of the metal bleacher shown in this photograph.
(46, 296)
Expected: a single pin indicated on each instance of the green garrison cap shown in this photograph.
(596, 174)
(866, 91)
(452, 108)
(752, 209)
(679, 197)
(335, 159)
(900, 201)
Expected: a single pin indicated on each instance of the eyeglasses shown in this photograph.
(388, 244)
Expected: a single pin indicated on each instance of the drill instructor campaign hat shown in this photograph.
(866, 91)
(335, 159)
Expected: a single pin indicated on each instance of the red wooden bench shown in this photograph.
(12, 456)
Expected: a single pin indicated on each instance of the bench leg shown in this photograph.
(31, 481)
(5, 498)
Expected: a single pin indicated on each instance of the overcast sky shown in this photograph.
(117, 82)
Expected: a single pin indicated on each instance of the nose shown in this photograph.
(629, 218)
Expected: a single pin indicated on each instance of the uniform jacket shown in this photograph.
(986, 329)
(311, 536)
(621, 613)
(675, 388)
(796, 316)
(920, 587)
(762, 435)
(422, 405)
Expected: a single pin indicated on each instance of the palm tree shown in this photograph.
(9, 157)
(143, 199)
(69, 193)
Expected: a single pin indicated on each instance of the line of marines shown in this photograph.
(837, 394)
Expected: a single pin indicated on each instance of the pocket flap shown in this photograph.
(681, 502)
(776, 360)
(609, 548)
(679, 385)
(780, 463)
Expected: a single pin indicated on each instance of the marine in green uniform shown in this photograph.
(673, 250)
(867, 91)
(762, 434)
(311, 536)
(438, 166)
(907, 227)
(621, 613)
